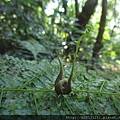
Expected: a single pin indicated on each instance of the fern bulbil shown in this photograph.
(64, 86)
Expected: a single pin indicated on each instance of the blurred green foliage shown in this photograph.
(39, 22)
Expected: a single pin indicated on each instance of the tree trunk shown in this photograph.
(83, 19)
(65, 6)
(76, 8)
(86, 13)
(98, 43)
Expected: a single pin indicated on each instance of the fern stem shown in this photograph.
(97, 92)
(29, 81)
(68, 106)
(102, 85)
(1, 96)
(36, 103)
(51, 90)
(26, 90)
(75, 56)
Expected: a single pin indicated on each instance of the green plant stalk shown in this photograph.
(60, 73)
(114, 102)
(94, 107)
(35, 103)
(92, 104)
(102, 85)
(75, 56)
(66, 102)
(50, 90)
(96, 92)
(26, 90)
(1, 97)
(28, 81)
